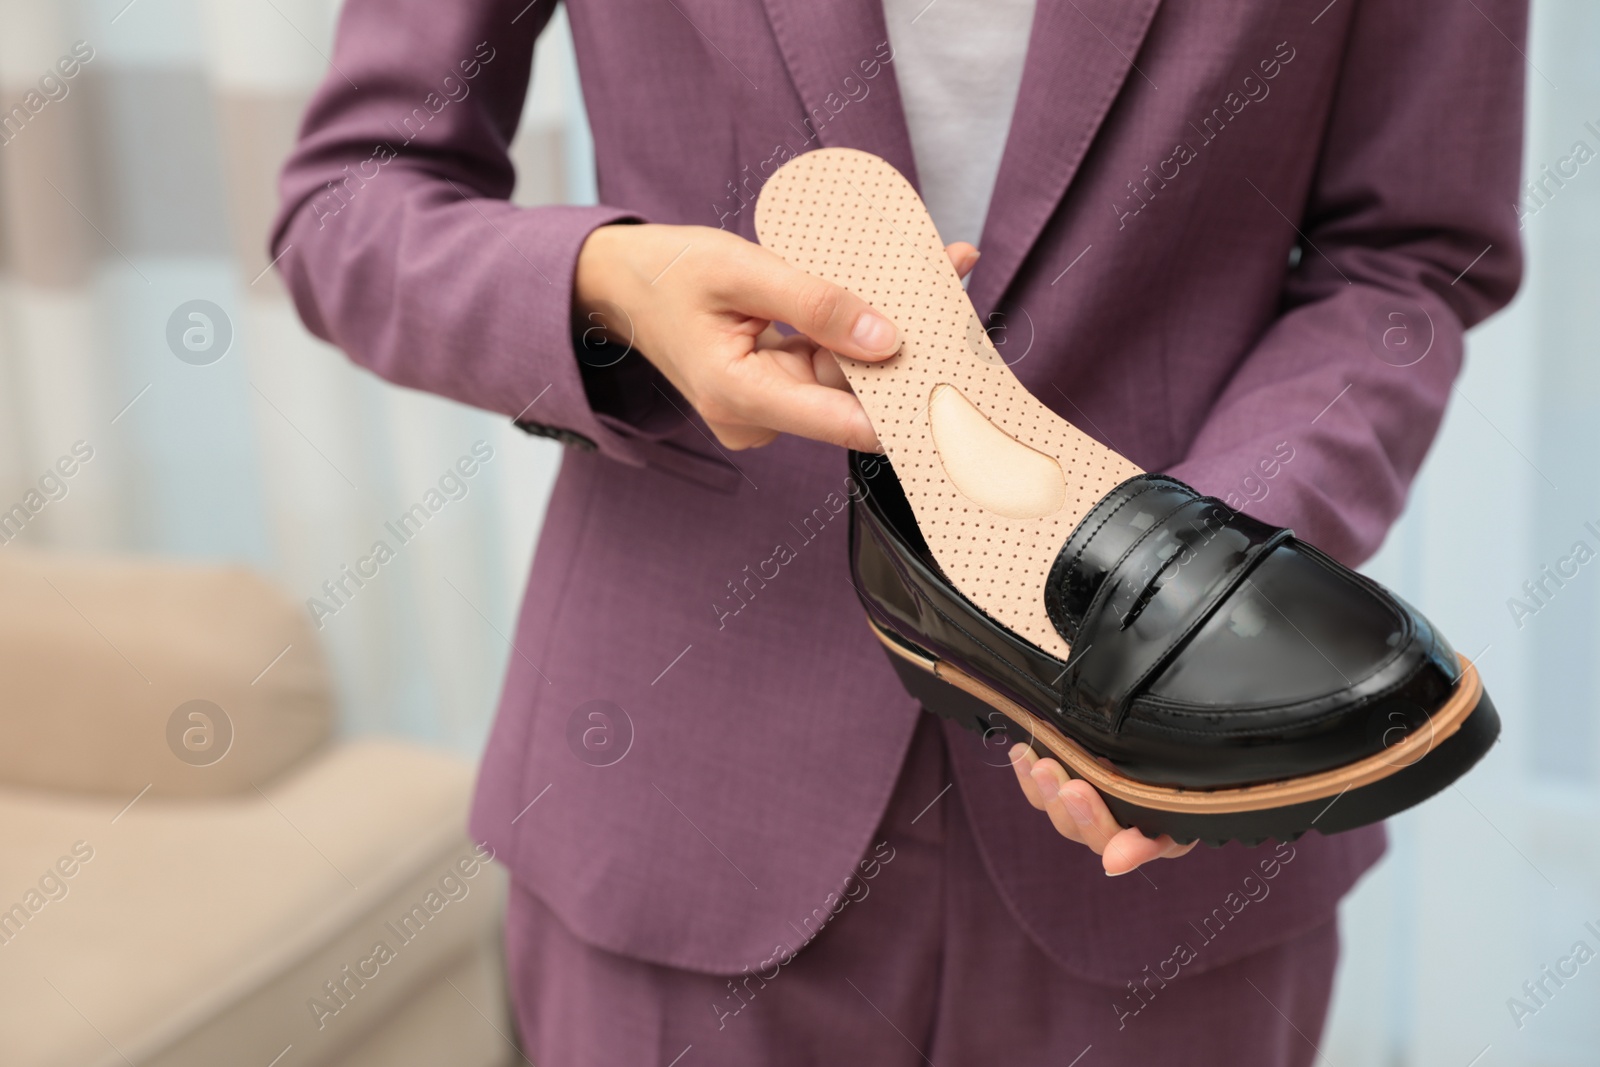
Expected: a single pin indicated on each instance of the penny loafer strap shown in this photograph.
(1163, 588)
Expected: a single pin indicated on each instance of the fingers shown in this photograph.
(1128, 849)
(768, 398)
(1172, 850)
(1079, 813)
(1095, 821)
(964, 256)
(762, 284)
(787, 384)
(792, 363)
(1022, 761)
(739, 438)
(1072, 818)
(1121, 850)
(827, 370)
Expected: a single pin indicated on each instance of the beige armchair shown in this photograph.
(193, 870)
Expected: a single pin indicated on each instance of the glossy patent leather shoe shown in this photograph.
(1227, 681)
(1212, 676)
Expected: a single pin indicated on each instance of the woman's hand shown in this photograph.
(1078, 814)
(700, 304)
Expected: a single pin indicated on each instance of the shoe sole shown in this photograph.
(851, 218)
(1421, 764)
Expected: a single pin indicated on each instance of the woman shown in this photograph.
(732, 836)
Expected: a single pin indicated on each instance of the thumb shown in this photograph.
(829, 314)
(963, 256)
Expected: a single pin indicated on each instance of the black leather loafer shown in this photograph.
(1226, 682)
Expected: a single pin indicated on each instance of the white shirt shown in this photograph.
(958, 64)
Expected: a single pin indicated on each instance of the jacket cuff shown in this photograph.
(603, 397)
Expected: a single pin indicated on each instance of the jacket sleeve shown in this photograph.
(1409, 237)
(398, 243)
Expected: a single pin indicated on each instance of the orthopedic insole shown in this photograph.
(997, 481)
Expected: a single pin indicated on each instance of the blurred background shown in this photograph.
(137, 198)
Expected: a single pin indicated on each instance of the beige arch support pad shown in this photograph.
(996, 479)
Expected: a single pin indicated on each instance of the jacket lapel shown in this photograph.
(825, 42)
(1080, 54)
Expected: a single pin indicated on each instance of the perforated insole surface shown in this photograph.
(851, 218)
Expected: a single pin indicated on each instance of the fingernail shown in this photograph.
(874, 333)
(1022, 752)
(1117, 874)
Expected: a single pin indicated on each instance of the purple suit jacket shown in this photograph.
(1237, 240)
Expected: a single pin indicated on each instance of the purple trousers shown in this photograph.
(919, 962)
